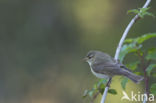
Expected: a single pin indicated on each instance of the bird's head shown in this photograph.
(90, 57)
(96, 56)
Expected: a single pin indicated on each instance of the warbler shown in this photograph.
(104, 66)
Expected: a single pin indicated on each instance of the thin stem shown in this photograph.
(109, 82)
(121, 43)
(146, 83)
(144, 66)
(94, 97)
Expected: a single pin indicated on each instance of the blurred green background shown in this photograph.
(42, 43)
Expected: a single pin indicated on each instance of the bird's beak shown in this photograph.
(85, 59)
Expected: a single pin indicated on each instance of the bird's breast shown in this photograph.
(99, 75)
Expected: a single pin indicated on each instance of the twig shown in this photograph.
(146, 77)
(121, 43)
(94, 97)
(144, 64)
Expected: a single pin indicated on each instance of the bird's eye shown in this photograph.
(89, 57)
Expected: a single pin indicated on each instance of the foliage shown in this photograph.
(124, 82)
(150, 68)
(112, 91)
(134, 47)
(151, 54)
(98, 88)
(141, 12)
(143, 60)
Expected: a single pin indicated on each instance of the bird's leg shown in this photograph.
(109, 82)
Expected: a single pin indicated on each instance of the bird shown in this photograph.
(103, 65)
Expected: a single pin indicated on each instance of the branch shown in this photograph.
(144, 64)
(94, 97)
(127, 30)
(120, 45)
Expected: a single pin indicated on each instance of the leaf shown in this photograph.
(151, 54)
(135, 11)
(149, 68)
(145, 37)
(124, 82)
(85, 93)
(134, 44)
(153, 89)
(144, 11)
(112, 91)
(130, 40)
(101, 88)
(138, 73)
(101, 81)
(141, 39)
(141, 12)
(132, 66)
(128, 48)
(150, 14)
(91, 92)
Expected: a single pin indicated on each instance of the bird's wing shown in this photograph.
(107, 68)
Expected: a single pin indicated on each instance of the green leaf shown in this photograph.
(128, 48)
(130, 40)
(153, 89)
(135, 11)
(149, 14)
(101, 81)
(101, 85)
(141, 12)
(124, 82)
(144, 11)
(133, 66)
(138, 73)
(101, 88)
(91, 92)
(149, 68)
(85, 93)
(151, 54)
(145, 37)
(112, 91)
(141, 39)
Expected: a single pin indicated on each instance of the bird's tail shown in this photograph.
(135, 78)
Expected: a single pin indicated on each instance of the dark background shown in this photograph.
(42, 43)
